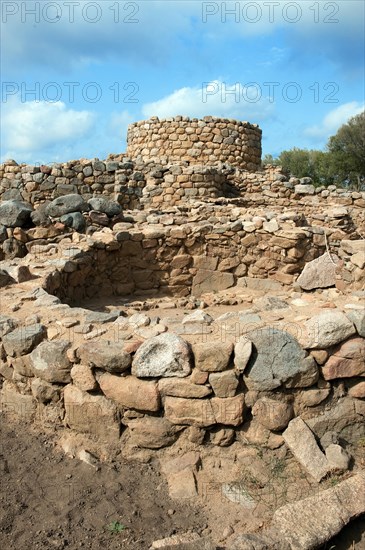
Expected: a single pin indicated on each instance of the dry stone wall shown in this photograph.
(152, 390)
(207, 141)
(143, 185)
(179, 261)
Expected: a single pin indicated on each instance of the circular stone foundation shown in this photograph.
(196, 141)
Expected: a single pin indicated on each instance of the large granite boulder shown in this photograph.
(278, 359)
(15, 213)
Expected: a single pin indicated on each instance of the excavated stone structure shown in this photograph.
(185, 221)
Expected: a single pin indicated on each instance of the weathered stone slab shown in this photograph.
(92, 414)
(346, 361)
(259, 284)
(301, 441)
(130, 392)
(319, 273)
(182, 485)
(311, 522)
(326, 329)
(210, 281)
(162, 356)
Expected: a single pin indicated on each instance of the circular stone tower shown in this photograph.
(206, 141)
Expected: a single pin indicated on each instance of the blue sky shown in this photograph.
(76, 73)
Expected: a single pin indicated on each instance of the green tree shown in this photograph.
(307, 163)
(347, 151)
(269, 159)
(296, 162)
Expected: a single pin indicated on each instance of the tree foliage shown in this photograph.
(347, 151)
(343, 163)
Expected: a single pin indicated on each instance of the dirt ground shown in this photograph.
(50, 501)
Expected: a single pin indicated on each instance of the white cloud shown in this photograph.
(333, 120)
(32, 127)
(119, 123)
(216, 98)
(87, 33)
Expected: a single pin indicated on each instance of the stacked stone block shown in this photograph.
(206, 141)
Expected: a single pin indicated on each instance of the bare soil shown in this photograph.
(50, 501)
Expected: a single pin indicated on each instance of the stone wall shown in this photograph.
(142, 185)
(246, 387)
(206, 141)
(180, 261)
(183, 249)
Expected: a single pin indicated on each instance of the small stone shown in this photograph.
(272, 414)
(236, 492)
(82, 376)
(152, 432)
(222, 437)
(358, 390)
(198, 316)
(50, 362)
(181, 387)
(224, 384)
(337, 457)
(212, 356)
(88, 458)
(105, 355)
(346, 361)
(242, 353)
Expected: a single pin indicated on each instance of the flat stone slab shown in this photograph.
(302, 443)
(311, 522)
(319, 273)
(326, 329)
